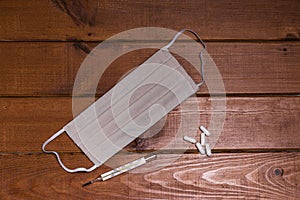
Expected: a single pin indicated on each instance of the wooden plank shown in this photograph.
(41, 69)
(222, 176)
(97, 20)
(251, 123)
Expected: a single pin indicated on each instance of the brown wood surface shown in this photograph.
(251, 123)
(50, 68)
(97, 20)
(223, 176)
(255, 45)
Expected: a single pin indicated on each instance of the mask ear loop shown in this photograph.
(200, 54)
(81, 169)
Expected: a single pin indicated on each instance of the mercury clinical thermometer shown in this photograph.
(124, 168)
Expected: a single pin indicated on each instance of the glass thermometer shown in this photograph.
(124, 168)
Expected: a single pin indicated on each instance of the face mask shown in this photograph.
(131, 107)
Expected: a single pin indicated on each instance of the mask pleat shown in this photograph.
(115, 125)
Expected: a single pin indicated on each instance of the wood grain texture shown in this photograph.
(43, 69)
(251, 123)
(255, 45)
(97, 20)
(222, 176)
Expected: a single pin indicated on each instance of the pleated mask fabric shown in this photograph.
(130, 108)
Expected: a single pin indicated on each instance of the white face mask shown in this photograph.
(131, 107)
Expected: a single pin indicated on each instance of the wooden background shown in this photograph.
(256, 46)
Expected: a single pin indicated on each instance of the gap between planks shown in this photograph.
(172, 151)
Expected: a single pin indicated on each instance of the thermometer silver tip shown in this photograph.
(92, 181)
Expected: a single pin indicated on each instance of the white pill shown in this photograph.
(202, 139)
(189, 139)
(200, 148)
(204, 130)
(208, 150)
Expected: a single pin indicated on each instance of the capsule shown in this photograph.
(208, 150)
(202, 139)
(204, 130)
(200, 148)
(189, 139)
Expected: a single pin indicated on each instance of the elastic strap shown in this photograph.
(81, 169)
(200, 54)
